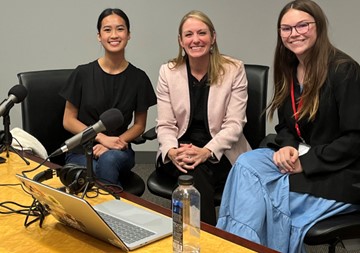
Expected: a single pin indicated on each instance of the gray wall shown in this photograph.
(49, 34)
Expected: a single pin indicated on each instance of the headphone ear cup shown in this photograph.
(63, 173)
(77, 178)
(73, 177)
(43, 176)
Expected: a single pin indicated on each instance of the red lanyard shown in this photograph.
(296, 115)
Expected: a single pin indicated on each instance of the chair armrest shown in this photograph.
(270, 138)
(138, 140)
(150, 134)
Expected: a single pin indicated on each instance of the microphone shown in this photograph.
(109, 120)
(16, 95)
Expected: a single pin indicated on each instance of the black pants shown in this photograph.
(208, 177)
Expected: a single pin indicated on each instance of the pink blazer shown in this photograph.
(226, 111)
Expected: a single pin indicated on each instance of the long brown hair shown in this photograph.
(316, 63)
(217, 61)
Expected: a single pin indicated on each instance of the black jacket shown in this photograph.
(332, 165)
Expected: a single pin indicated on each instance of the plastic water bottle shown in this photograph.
(186, 216)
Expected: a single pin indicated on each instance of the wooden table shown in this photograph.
(56, 237)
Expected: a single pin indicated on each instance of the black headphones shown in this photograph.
(72, 176)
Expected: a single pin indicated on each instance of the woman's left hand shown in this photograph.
(98, 150)
(287, 159)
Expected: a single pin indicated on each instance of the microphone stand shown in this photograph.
(89, 166)
(8, 139)
(90, 182)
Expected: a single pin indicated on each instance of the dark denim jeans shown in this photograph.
(111, 167)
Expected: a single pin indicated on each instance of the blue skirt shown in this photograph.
(258, 205)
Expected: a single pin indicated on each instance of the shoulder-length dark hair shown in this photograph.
(316, 62)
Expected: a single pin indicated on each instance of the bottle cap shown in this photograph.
(185, 180)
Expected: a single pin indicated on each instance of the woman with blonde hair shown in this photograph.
(201, 98)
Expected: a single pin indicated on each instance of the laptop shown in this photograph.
(111, 221)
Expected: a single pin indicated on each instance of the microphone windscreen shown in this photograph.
(112, 119)
(19, 91)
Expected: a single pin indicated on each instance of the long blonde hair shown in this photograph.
(216, 67)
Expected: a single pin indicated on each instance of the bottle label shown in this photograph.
(177, 216)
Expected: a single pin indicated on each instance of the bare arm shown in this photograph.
(70, 120)
(137, 128)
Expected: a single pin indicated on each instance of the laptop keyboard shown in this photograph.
(128, 232)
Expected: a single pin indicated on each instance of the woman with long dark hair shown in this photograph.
(274, 195)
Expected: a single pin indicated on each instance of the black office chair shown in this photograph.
(42, 115)
(254, 130)
(334, 230)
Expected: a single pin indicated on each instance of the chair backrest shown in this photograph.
(255, 128)
(43, 108)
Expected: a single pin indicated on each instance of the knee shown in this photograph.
(256, 161)
(110, 155)
(245, 158)
(75, 158)
(254, 155)
(117, 157)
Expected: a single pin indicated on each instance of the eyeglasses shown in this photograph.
(301, 28)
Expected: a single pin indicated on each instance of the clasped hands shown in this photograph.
(187, 156)
(108, 142)
(287, 159)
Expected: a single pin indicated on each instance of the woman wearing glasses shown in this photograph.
(274, 195)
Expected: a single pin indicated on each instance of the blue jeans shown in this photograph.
(111, 167)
